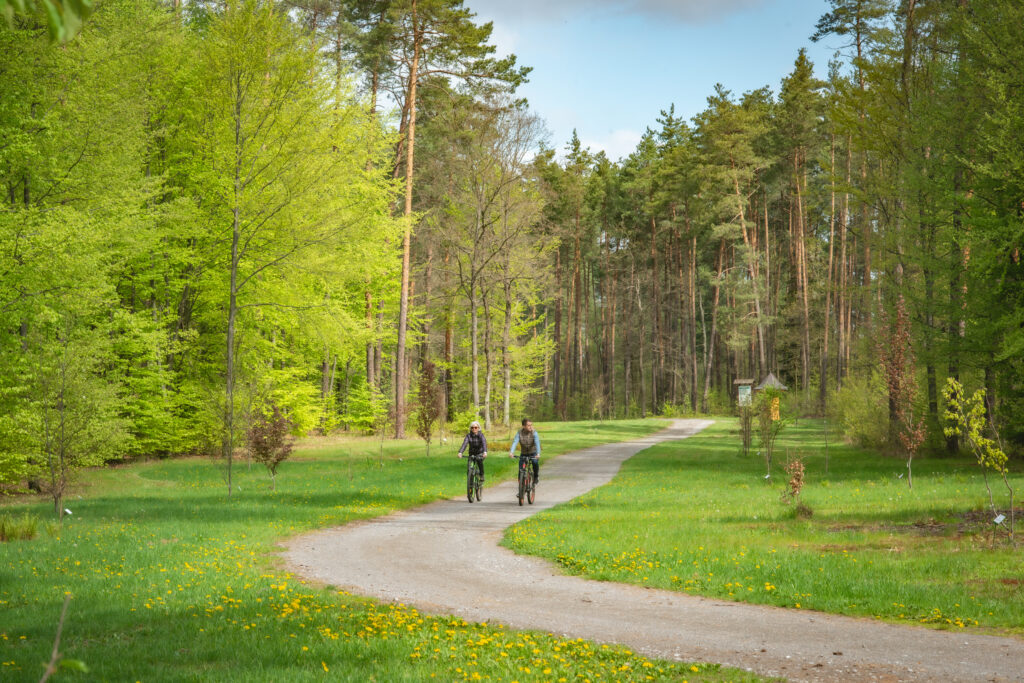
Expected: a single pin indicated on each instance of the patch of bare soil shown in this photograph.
(967, 523)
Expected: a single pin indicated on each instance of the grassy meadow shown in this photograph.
(699, 517)
(170, 580)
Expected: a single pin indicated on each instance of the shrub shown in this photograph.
(795, 486)
(719, 402)
(22, 528)
(860, 408)
(746, 427)
(965, 418)
(770, 421)
(269, 442)
(459, 424)
(429, 410)
(677, 410)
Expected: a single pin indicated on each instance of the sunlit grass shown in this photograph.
(172, 581)
(18, 528)
(697, 517)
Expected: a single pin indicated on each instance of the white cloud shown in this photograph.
(546, 11)
(618, 144)
(505, 38)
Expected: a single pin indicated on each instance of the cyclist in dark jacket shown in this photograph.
(529, 446)
(476, 442)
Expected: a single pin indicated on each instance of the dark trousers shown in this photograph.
(479, 464)
(535, 459)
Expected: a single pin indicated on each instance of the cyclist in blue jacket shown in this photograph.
(529, 446)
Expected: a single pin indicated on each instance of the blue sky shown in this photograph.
(608, 67)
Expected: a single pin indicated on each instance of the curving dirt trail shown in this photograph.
(444, 558)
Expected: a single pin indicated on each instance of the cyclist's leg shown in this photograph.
(480, 464)
(536, 469)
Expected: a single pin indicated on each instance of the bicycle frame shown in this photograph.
(527, 486)
(473, 477)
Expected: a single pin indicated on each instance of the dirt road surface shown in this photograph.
(444, 558)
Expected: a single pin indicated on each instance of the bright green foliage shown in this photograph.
(966, 419)
(285, 191)
(365, 407)
(63, 17)
(75, 417)
(73, 202)
(118, 171)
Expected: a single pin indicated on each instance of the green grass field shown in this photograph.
(172, 581)
(697, 516)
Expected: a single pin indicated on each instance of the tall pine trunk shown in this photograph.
(400, 377)
(823, 379)
(710, 352)
(751, 263)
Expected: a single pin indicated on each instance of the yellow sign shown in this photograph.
(775, 408)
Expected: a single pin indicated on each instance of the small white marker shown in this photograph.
(767, 475)
(68, 512)
(999, 519)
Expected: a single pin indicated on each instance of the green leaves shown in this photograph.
(118, 162)
(966, 418)
(63, 17)
(75, 665)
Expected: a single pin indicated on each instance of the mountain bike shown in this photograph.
(527, 486)
(474, 482)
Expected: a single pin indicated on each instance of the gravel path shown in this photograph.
(444, 558)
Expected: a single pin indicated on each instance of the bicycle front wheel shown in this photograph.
(522, 486)
(470, 480)
(531, 490)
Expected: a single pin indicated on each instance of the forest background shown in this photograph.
(339, 211)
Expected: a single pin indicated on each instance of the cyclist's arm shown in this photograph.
(515, 441)
(465, 444)
(485, 443)
(536, 438)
